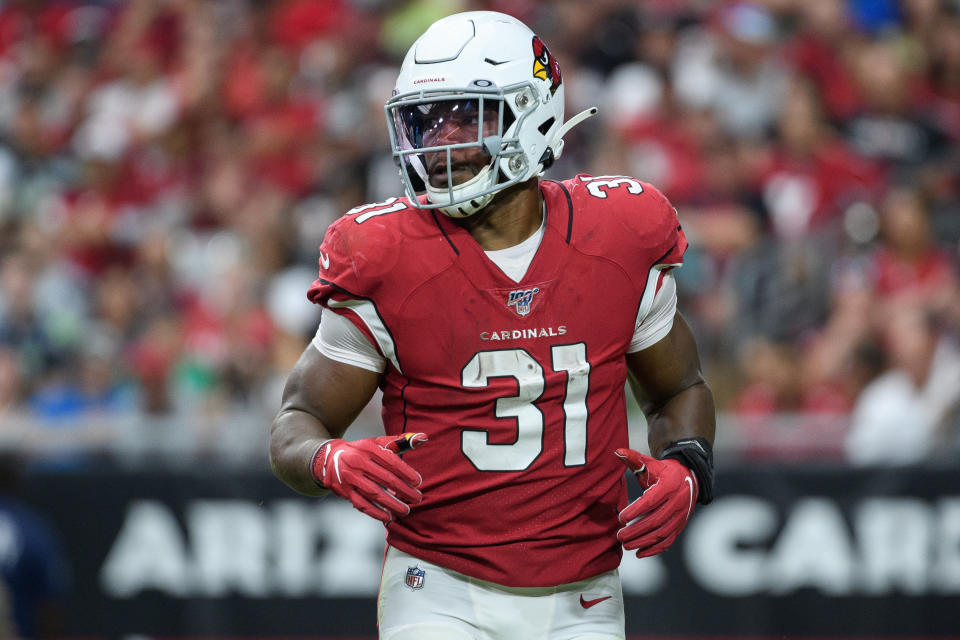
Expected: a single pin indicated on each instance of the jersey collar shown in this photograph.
(558, 220)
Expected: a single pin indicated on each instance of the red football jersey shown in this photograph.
(520, 386)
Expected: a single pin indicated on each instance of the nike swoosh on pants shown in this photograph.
(586, 604)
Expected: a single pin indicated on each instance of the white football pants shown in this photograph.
(440, 604)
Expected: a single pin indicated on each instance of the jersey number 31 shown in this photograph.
(529, 374)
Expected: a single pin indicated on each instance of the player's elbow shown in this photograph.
(283, 442)
(276, 446)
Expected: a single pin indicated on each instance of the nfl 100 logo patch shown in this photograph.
(521, 300)
(415, 577)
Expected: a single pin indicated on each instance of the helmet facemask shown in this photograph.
(440, 135)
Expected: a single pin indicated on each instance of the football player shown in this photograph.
(501, 314)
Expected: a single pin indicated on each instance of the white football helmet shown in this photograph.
(477, 80)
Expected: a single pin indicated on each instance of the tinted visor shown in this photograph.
(451, 121)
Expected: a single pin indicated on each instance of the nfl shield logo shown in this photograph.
(521, 300)
(415, 578)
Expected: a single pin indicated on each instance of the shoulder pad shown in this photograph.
(370, 246)
(634, 215)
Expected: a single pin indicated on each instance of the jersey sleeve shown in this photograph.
(339, 339)
(660, 229)
(632, 223)
(663, 244)
(342, 288)
(658, 244)
(656, 324)
(338, 270)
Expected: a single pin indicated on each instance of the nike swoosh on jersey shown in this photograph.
(586, 604)
(690, 485)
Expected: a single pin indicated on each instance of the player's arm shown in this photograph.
(669, 386)
(331, 383)
(321, 399)
(681, 419)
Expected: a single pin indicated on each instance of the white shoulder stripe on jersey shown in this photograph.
(653, 325)
(367, 312)
(651, 289)
(339, 339)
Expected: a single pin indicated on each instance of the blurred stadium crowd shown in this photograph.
(167, 171)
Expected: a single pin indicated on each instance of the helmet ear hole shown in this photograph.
(543, 128)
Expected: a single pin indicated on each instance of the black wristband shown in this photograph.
(696, 453)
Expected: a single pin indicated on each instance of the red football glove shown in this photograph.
(654, 520)
(370, 474)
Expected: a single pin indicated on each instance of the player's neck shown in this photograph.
(512, 216)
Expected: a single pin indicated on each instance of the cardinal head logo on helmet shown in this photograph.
(545, 66)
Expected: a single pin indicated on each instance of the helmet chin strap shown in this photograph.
(462, 209)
